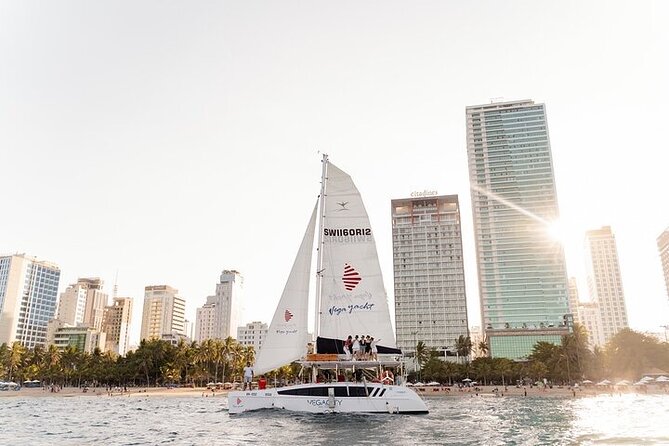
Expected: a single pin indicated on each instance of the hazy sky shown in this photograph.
(170, 140)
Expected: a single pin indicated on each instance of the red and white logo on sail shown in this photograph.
(287, 315)
(351, 277)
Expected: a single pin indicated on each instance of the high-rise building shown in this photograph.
(28, 298)
(164, 312)
(253, 334)
(604, 281)
(521, 269)
(663, 247)
(83, 303)
(219, 317)
(573, 298)
(589, 318)
(82, 337)
(430, 298)
(117, 320)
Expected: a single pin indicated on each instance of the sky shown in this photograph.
(164, 141)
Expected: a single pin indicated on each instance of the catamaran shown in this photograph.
(350, 300)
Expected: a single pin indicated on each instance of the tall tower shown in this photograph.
(430, 298)
(604, 281)
(663, 247)
(164, 312)
(83, 303)
(220, 316)
(521, 270)
(28, 297)
(117, 320)
(573, 298)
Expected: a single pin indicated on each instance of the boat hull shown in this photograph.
(340, 397)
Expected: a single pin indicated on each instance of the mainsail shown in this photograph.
(286, 339)
(353, 298)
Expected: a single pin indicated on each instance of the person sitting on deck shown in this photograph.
(388, 377)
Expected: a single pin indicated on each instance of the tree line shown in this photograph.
(628, 355)
(154, 362)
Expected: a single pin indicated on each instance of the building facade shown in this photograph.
(252, 334)
(163, 313)
(605, 282)
(28, 299)
(82, 337)
(573, 298)
(83, 303)
(429, 280)
(117, 320)
(663, 247)
(589, 319)
(521, 269)
(220, 316)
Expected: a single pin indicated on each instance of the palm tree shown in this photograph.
(463, 346)
(483, 347)
(15, 358)
(51, 361)
(227, 347)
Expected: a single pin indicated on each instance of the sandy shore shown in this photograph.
(427, 391)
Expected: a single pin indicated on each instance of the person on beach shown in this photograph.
(248, 375)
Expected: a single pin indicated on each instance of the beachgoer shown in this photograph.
(248, 375)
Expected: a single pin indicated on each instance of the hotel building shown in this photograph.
(117, 320)
(82, 337)
(28, 298)
(219, 317)
(429, 281)
(604, 281)
(163, 312)
(521, 270)
(253, 334)
(83, 303)
(663, 247)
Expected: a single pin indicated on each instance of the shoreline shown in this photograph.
(425, 391)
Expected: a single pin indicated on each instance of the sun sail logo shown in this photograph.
(351, 277)
(287, 315)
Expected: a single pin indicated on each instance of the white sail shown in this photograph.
(353, 298)
(286, 339)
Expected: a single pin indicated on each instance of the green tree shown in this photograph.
(463, 346)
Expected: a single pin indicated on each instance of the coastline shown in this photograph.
(425, 391)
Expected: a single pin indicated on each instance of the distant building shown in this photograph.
(589, 318)
(573, 298)
(83, 303)
(28, 298)
(83, 338)
(476, 336)
(253, 334)
(164, 312)
(430, 297)
(604, 281)
(663, 247)
(219, 317)
(522, 273)
(117, 320)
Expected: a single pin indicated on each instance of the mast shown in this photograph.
(319, 249)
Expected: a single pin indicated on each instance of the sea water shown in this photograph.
(84, 420)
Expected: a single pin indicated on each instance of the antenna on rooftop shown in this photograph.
(116, 285)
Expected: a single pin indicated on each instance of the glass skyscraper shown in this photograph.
(28, 297)
(521, 269)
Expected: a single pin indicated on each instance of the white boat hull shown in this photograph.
(340, 397)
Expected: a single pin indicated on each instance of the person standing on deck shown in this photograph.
(356, 348)
(375, 352)
(248, 375)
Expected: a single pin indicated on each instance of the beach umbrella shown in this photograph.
(433, 383)
(587, 381)
(409, 384)
(624, 382)
(466, 380)
(662, 379)
(606, 382)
